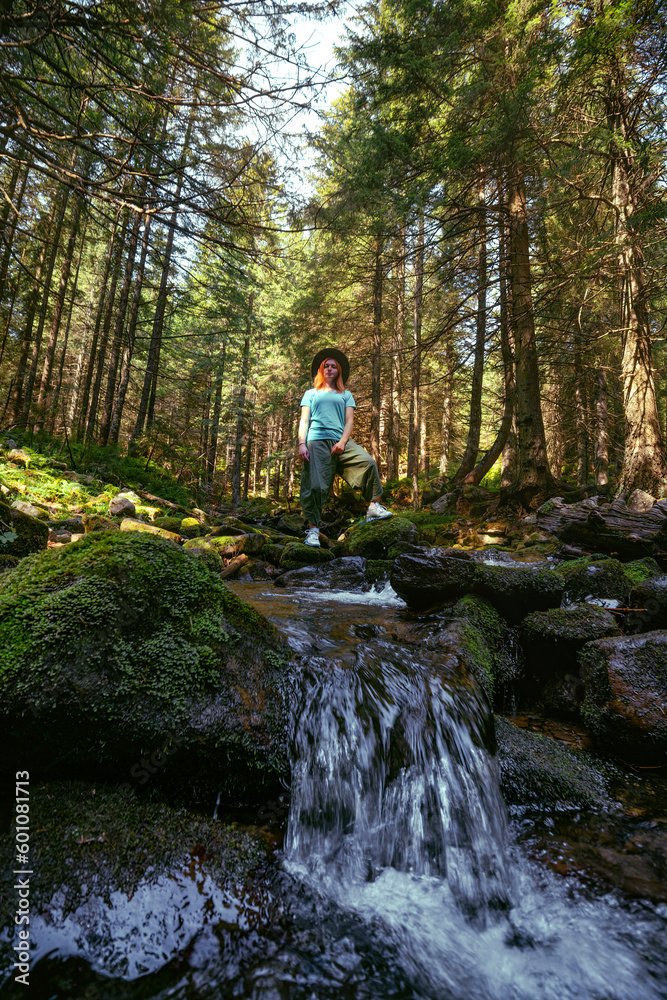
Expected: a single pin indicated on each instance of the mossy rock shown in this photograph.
(95, 847)
(33, 509)
(297, 554)
(130, 524)
(543, 774)
(228, 546)
(271, 553)
(98, 522)
(8, 562)
(20, 534)
(518, 590)
(383, 539)
(568, 627)
(640, 570)
(191, 528)
(209, 556)
(625, 703)
(108, 644)
(648, 601)
(172, 524)
(596, 578)
(378, 570)
(503, 666)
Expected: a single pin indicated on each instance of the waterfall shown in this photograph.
(390, 771)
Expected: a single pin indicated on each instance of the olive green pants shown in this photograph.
(355, 466)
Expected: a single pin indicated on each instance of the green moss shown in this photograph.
(20, 534)
(381, 539)
(209, 556)
(107, 644)
(99, 839)
(8, 562)
(572, 625)
(297, 554)
(97, 522)
(272, 553)
(378, 570)
(640, 570)
(191, 528)
(168, 523)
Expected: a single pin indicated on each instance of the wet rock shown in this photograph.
(297, 554)
(625, 703)
(122, 505)
(271, 553)
(109, 644)
(604, 578)
(346, 573)
(228, 546)
(551, 641)
(259, 569)
(429, 578)
(126, 885)
(31, 509)
(540, 773)
(649, 603)
(20, 534)
(381, 539)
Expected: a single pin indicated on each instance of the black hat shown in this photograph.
(331, 352)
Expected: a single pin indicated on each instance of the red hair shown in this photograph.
(320, 380)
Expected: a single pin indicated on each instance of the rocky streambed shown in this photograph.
(296, 790)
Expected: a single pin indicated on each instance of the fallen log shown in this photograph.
(233, 565)
(612, 528)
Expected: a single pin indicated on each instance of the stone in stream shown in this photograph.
(383, 539)
(625, 703)
(603, 578)
(20, 534)
(346, 573)
(433, 576)
(551, 641)
(543, 774)
(649, 603)
(297, 554)
(110, 646)
(126, 885)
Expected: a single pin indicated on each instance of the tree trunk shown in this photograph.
(60, 301)
(644, 462)
(215, 420)
(119, 403)
(374, 436)
(240, 412)
(59, 380)
(413, 438)
(475, 416)
(534, 476)
(602, 430)
(37, 341)
(394, 425)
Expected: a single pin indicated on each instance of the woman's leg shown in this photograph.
(359, 471)
(317, 476)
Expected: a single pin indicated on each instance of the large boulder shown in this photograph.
(648, 601)
(626, 693)
(131, 524)
(551, 641)
(297, 554)
(228, 546)
(113, 645)
(604, 578)
(542, 774)
(125, 885)
(383, 539)
(428, 578)
(20, 534)
(346, 573)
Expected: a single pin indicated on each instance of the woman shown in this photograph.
(327, 414)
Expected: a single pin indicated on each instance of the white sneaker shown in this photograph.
(313, 537)
(376, 512)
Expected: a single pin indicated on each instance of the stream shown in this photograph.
(401, 873)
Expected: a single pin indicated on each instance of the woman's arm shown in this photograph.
(339, 446)
(303, 432)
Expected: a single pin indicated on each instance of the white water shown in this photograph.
(397, 817)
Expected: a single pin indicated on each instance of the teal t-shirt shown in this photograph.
(327, 413)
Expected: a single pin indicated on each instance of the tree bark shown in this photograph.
(475, 413)
(602, 429)
(240, 411)
(534, 475)
(394, 423)
(374, 436)
(413, 437)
